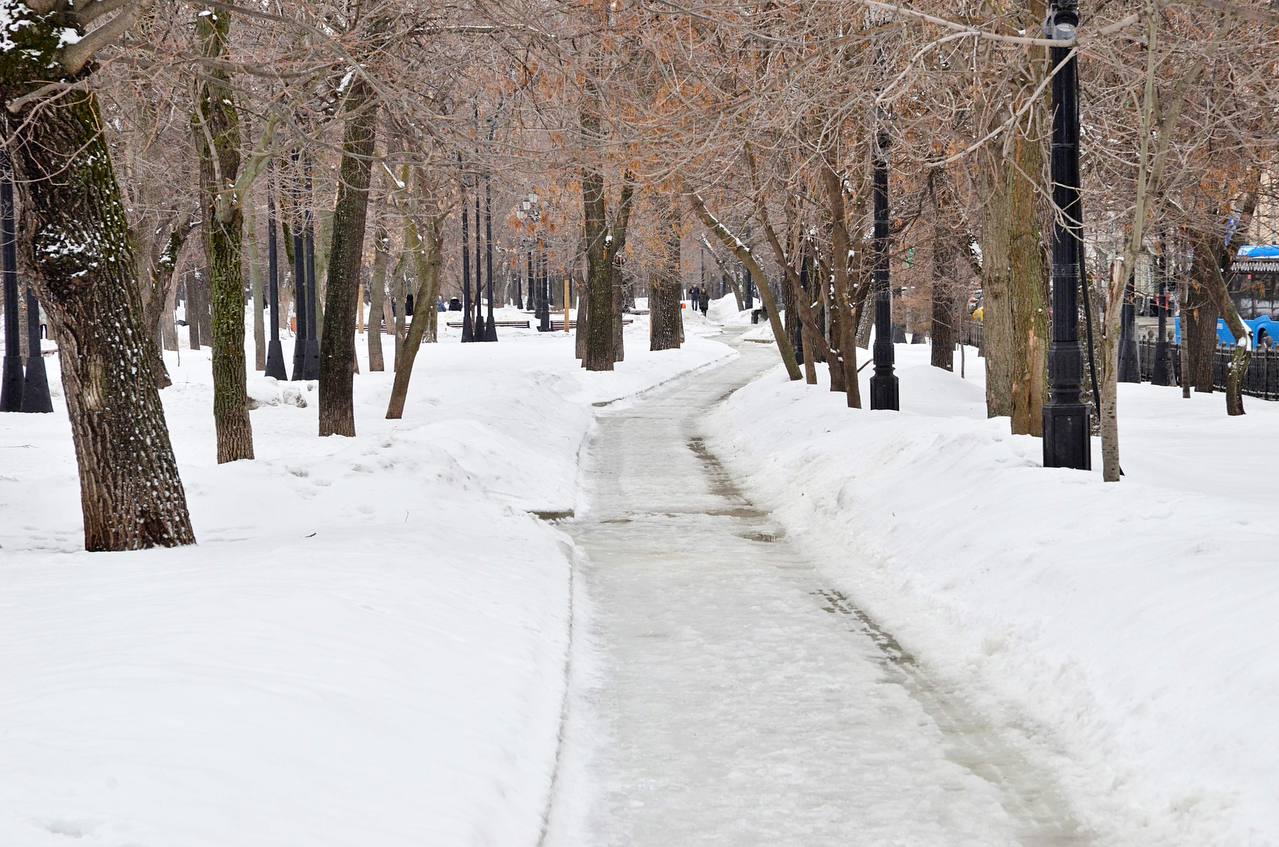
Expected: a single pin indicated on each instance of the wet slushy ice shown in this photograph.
(737, 699)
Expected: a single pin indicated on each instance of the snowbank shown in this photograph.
(1129, 629)
(367, 646)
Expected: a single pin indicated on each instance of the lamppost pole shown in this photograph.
(1129, 366)
(35, 389)
(1066, 442)
(274, 352)
(544, 288)
(1160, 375)
(883, 383)
(479, 271)
(299, 285)
(11, 387)
(490, 328)
(312, 360)
(468, 330)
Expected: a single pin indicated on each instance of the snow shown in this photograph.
(894, 624)
(367, 646)
(725, 695)
(1128, 630)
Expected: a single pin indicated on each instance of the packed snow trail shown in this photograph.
(723, 694)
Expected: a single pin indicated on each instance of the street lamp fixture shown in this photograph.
(1066, 441)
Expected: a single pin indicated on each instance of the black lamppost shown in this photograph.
(479, 271)
(1161, 375)
(11, 386)
(1129, 364)
(312, 294)
(35, 388)
(519, 282)
(804, 273)
(299, 284)
(532, 299)
(468, 330)
(883, 383)
(1066, 442)
(299, 301)
(306, 349)
(490, 327)
(544, 289)
(274, 352)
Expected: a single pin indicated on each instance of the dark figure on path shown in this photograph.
(695, 297)
(706, 300)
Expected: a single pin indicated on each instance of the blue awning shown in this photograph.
(1259, 251)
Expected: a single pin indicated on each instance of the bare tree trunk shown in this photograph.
(377, 296)
(194, 306)
(428, 281)
(1199, 315)
(735, 246)
(216, 126)
(346, 253)
(997, 324)
(256, 286)
(130, 492)
(1028, 289)
(945, 311)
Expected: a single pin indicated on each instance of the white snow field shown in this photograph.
(1128, 633)
(366, 648)
(747, 616)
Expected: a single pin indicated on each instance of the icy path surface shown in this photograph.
(724, 694)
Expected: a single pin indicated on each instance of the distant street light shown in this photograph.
(35, 388)
(883, 383)
(11, 387)
(490, 328)
(468, 330)
(1066, 442)
(479, 271)
(274, 352)
(1162, 373)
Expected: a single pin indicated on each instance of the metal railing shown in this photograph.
(1261, 380)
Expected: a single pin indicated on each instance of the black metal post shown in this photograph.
(532, 299)
(490, 328)
(544, 318)
(798, 339)
(311, 363)
(468, 328)
(11, 387)
(299, 302)
(1161, 374)
(274, 352)
(479, 271)
(299, 285)
(35, 388)
(883, 383)
(312, 302)
(1066, 441)
(1129, 365)
(519, 283)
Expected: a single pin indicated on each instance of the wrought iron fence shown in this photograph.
(1261, 380)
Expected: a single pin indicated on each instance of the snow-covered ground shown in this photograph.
(368, 645)
(1129, 631)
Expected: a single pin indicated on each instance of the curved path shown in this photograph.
(723, 694)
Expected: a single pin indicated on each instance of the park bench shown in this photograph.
(515, 324)
(558, 326)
